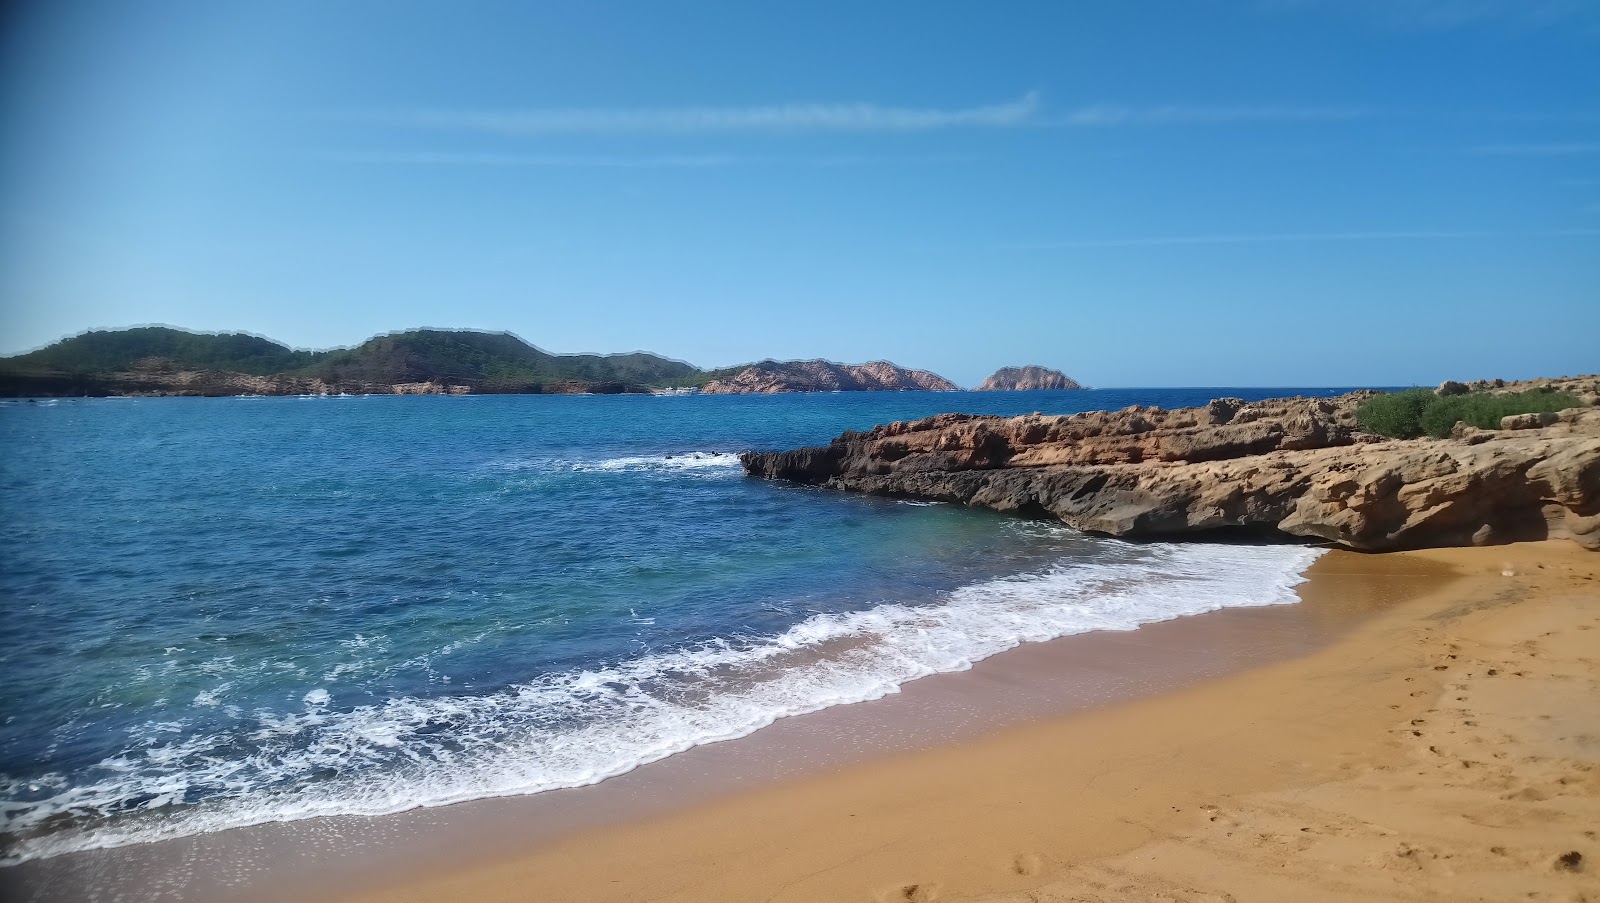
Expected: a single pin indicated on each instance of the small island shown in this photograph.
(1027, 379)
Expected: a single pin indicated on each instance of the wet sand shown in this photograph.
(1037, 772)
(1447, 748)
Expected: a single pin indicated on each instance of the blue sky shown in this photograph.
(1195, 192)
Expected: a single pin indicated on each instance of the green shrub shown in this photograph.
(1397, 415)
(1408, 414)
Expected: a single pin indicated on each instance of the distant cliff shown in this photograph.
(1015, 379)
(771, 377)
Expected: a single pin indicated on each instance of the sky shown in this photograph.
(1138, 193)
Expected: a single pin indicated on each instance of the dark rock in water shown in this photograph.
(1023, 379)
(1289, 466)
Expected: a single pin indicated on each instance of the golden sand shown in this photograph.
(1447, 748)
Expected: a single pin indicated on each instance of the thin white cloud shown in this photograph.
(451, 158)
(1287, 237)
(1026, 111)
(1539, 150)
(1114, 115)
(801, 117)
(557, 161)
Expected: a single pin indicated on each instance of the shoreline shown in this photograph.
(1446, 744)
(1037, 683)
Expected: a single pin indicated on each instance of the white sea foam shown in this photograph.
(696, 461)
(579, 727)
(685, 463)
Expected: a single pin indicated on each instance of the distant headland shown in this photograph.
(161, 360)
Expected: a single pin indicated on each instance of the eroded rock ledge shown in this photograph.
(1295, 467)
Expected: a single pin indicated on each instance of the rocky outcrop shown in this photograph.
(771, 377)
(1027, 379)
(1293, 467)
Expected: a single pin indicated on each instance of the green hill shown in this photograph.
(148, 359)
(495, 360)
(109, 351)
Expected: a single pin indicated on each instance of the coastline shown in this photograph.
(1019, 724)
(1445, 744)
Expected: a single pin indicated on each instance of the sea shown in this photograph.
(221, 612)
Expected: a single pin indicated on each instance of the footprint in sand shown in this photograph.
(911, 893)
(1027, 864)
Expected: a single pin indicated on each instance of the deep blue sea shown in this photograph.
(220, 612)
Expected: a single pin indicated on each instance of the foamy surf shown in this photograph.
(579, 727)
(696, 461)
(683, 463)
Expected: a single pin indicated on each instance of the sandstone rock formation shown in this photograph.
(1021, 379)
(770, 377)
(1288, 467)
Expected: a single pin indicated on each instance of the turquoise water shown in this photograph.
(227, 611)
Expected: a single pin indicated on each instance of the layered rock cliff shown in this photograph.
(1294, 467)
(1025, 379)
(771, 377)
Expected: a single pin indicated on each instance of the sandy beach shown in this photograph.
(1446, 748)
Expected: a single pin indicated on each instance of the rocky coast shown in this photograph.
(1289, 467)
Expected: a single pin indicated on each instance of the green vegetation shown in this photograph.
(699, 378)
(106, 351)
(488, 361)
(1414, 412)
(494, 360)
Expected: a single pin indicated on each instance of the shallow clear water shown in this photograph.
(226, 611)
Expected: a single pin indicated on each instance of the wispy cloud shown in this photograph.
(451, 158)
(1539, 150)
(797, 117)
(1288, 237)
(1026, 111)
(1114, 115)
(581, 161)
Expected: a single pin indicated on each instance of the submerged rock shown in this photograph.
(1288, 466)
